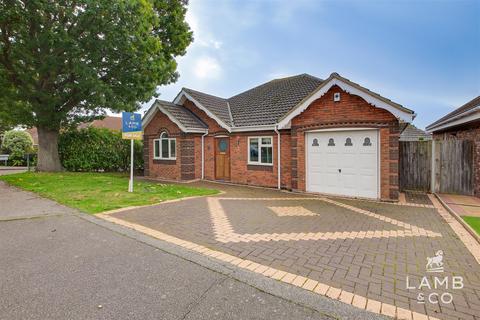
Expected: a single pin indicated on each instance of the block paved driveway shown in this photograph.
(364, 248)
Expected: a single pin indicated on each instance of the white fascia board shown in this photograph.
(184, 95)
(254, 128)
(149, 115)
(462, 118)
(400, 114)
(342, 129)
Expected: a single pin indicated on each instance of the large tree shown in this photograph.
(66, 61)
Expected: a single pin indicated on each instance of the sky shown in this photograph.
(424, 55)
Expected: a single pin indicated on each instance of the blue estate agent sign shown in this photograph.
(131, 125)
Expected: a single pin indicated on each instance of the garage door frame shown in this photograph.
(346, 129)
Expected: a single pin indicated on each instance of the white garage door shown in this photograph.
(343, 163)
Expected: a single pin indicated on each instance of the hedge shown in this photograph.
(97, 149)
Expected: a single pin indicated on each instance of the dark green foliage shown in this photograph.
(66, 62)
(97, 149)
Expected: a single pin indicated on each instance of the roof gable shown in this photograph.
(412, 133)
(371, 97)
(181, 116)
(215, 107)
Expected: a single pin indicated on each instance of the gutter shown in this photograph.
(203, 154)
(254, 128)
(279, 182)
(445, 123)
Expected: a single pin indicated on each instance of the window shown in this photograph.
(367, 142)
(315, 143)
(260, 150)
(164, 148)
(331, 142)
(348, 142)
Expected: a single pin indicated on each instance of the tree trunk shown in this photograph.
(48, 159)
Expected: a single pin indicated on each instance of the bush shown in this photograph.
(97, 149)
(17, 144)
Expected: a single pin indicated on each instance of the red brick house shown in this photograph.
(300, 133)
(462, 124)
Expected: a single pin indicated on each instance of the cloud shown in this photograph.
(202, 37)
(207, 68)
(278, 75)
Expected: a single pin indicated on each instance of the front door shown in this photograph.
(222, 159)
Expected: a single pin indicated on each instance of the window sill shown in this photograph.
(164, 161)
(260, 167)
(260, 164)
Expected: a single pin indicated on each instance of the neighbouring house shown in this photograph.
(301, 133)
(462, 124)
(109, 122)
(408, 132)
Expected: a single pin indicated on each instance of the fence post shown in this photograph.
(432, 182)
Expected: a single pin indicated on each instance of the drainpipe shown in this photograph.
(203, 155)
(279, 186)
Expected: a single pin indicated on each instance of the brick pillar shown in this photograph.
(146, 156)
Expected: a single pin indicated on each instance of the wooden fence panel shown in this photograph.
(415, 162)
(454, 166)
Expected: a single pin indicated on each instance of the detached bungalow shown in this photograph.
(301, 133)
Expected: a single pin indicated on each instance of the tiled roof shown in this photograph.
(216, 105)
(182, 115)
(412, 133)
(268, 103)
(112, 123)
(465, 108)
(265, 104)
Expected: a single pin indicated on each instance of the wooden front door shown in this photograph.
(222, 159)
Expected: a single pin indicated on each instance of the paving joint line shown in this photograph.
(227, 269)
(314, 286)
(33, 217)
(197, 301)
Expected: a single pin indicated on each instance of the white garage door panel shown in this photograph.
(342, 168)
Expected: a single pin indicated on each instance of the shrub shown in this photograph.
(97, 149)
(17, 144)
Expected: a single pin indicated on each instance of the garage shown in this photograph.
(343, 162)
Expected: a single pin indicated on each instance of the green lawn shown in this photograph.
(474, 222)
(98, 192)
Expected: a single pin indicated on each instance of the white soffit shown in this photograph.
(371, 99)
(183, 95)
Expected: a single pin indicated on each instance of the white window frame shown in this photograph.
(160, 148)
(260, 145)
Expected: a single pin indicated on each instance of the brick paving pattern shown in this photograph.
(356, 250)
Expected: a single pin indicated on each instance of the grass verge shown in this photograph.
(98, 192)
(473, 222)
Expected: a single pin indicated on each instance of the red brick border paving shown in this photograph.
(305, 282)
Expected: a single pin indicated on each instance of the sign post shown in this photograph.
(131, 129)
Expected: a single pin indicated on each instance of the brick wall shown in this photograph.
(166, 169)
(259, 175)
(198, 156)
(213, 127)
(472, 133)
(187, 157)
(351, 111)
